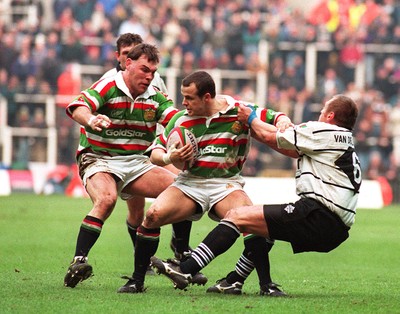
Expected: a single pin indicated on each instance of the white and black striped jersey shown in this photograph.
(328, 169)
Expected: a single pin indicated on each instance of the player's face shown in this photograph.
(325, 115)
(121, 56)
(139, 74)
(194, 104)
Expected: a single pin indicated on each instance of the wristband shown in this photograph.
(251, 117)
(91, 120)
(166, 159)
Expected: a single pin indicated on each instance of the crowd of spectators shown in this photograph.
(221, 34)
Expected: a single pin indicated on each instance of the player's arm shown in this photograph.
(263, 132)
(159, 156)
(85, 117)
(283, 122)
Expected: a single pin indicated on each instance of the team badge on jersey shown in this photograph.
(149, 115)
(237, 127)
(117, 114)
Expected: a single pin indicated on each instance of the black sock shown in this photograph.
(181, 235)
(88, 234)
(132, 232)
(256, 250)
(219, 240)
(146, 246)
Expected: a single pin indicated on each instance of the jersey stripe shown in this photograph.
(133, 122)
(222, 140)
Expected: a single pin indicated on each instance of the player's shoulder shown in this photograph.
(109, 73)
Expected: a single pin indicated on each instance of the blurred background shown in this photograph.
(280, 54)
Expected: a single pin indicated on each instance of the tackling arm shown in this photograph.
(85, 117)
(263, 132)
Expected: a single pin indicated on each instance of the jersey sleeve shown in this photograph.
(77, 102)
(161, 140)
(166, 109)
(269, 116)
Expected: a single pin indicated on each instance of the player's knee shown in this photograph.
(152, 218)
(106, 202)
(233, 215)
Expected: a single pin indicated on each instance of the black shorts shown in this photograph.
(307, 224)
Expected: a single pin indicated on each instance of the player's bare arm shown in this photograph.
(263, 132)
(283, 123)
(173, 156)
(85, 117)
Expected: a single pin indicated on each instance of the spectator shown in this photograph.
(50, 69)
(72, 50)
(234, 41)
(8, 52)
(384, 80)
(251, 34)
(133, 25)
(9, 86)
(68, 84)
(93, 56)
(171, 32)
(330, 84)
(24, 65)
(83, 10)
(350, 56)
(207, 59)
(59, 7)
(218, 39)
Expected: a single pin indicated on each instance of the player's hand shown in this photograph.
(183, 154)
(283, 123)
(177, 156)
(243, 113)
(99, 122)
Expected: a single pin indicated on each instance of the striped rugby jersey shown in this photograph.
(328, 168)
(223, 141)
(133, 121)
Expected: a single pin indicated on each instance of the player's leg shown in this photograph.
(222, 237)
(135, 215)
(255, 254)
(136, 205)
(168, 207)
(180, 237)
(102, 190)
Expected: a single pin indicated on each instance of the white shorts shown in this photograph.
(125, 168)
(207, 192)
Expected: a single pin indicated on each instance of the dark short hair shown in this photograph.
(345, 109)
(203, 81)
(150, 51)
(128, 39)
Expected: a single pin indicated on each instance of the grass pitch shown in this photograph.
(37, 242)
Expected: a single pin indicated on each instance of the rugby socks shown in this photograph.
(88, 234)
(219, 240)
(256, 250)
(146, 246)
(255, 255)
(132, 232)
(181, 235)
(243, 269)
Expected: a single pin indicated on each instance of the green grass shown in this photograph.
(37, 241)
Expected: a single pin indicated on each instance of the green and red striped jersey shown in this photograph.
(223, 142)
(133, 121)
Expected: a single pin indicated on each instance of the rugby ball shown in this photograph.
(183, 136)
